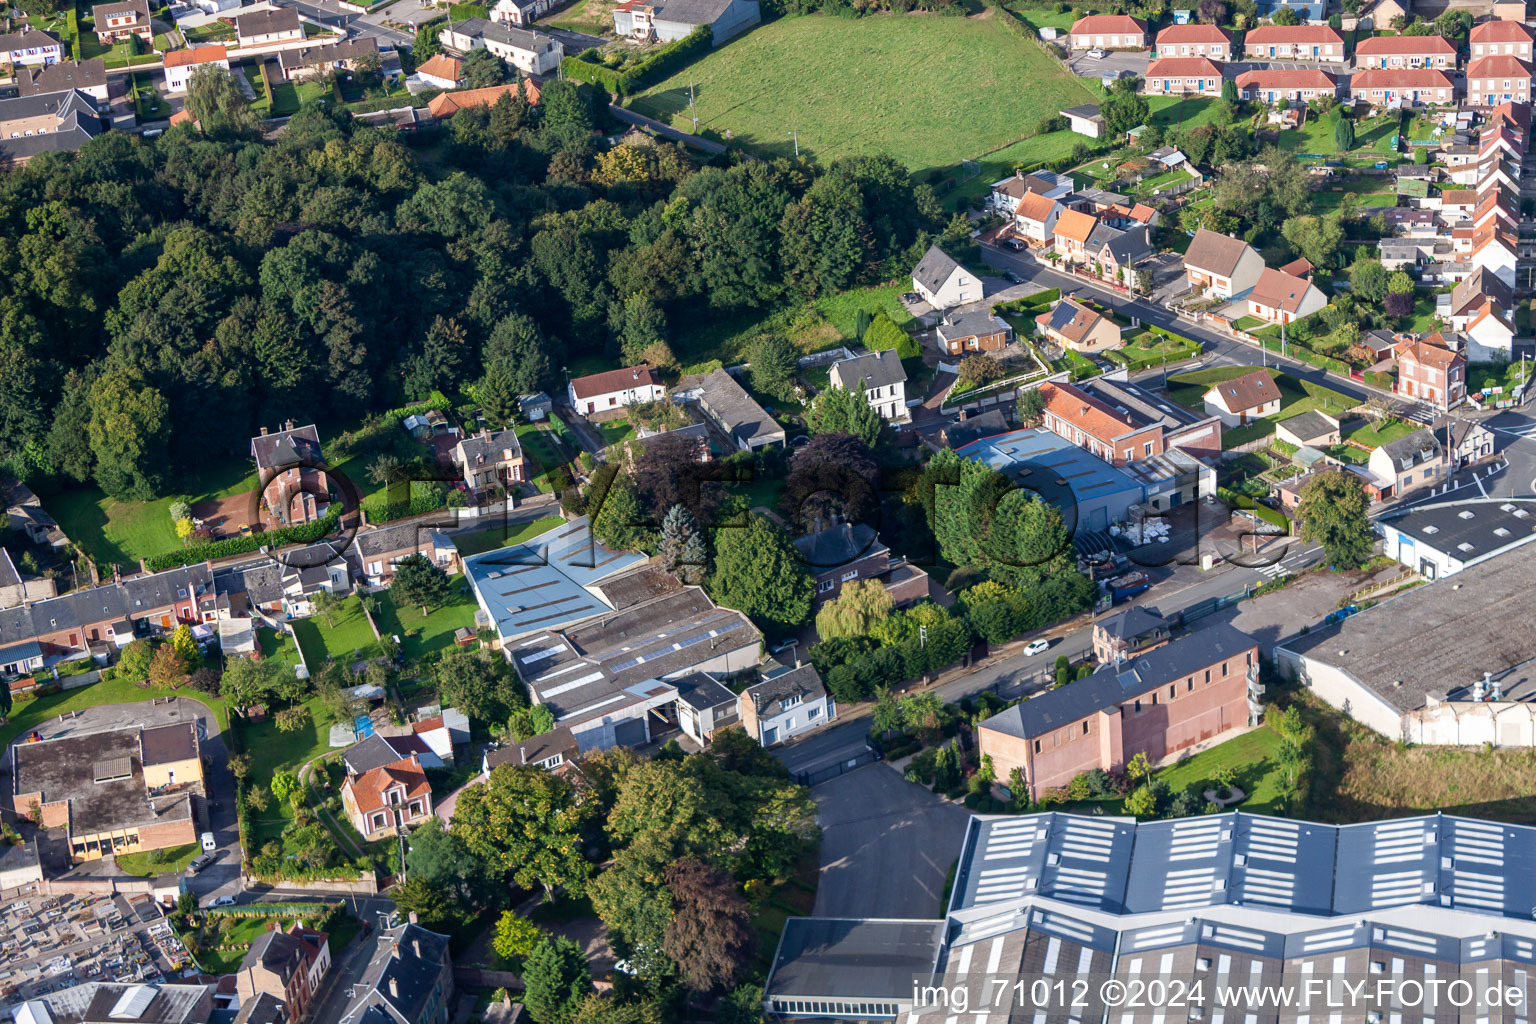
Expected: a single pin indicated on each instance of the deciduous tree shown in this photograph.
(855, 610)
(417, 581)
(526, 824)
(1333, 513)
(758, 572)
(710, 937)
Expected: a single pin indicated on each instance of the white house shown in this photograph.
(30, 46)
(666, 21)
(180, 65)
(1495, 253)
(1223, 266)
(942, 282)
(1490, 334)
(785, 705)
(519, 12)
(276, 25)
(1441, 540)
(614, 389)
(532, 53)
(1035, 218)
(1280, 297)
(441, 72)
(1243, 399)
(884, 380)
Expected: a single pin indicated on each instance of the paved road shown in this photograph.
(886, 846)
(665, 130)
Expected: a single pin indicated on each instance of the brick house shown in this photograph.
(845, 552)
(1492, 38)
(1097, 427)
(408, 980)
(1430, 372)
(288, 447)
(115, 22)
(1408, 87)
(1405, 52)
(1195, 41)
(1167, 699)
(383, 800)
(974, 330)
(1182, 76)
(1294, 42)
(1498, 79)
(286, 965)
(1108, 32)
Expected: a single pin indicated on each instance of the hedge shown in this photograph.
(304, 533)
(1247, 504)
(380, 510)
(273, 909)
(659, 65)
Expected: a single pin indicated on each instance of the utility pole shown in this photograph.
(794, 133)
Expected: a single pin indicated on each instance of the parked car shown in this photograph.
(1011, 277)
(1035, 647)
(198, 863)
(1096, 53)
(1014, 244)
(223, 901)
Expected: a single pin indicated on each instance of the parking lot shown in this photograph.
(1116, 63)
(51, 943)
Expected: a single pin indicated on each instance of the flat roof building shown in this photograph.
(1090, 492)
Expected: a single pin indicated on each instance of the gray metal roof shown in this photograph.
(700, 691)
(1131, 623)
(838, 545)
(691, 12)
(971, 323)
(1421, 445)
(736, 412)
(1467, 530)
(1310, 424)
(62, 76)
(833, 957)
(934, 268)
(278, 19)
(541, 583)
(1115, 684)
(800, 682)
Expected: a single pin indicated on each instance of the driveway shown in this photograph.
(886, 847)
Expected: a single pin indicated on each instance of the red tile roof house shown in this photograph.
(1500, 37)
(1495, 80)
(1071, 235)
(1406, 87)
(614, 389)
(1108, 32)
(1034, 219)
(1281, 297)
(1182, 76)
(1194, 41)
(1430, 372)
(1221, 265)
(1269, 85)
(1244, 399)
(1096, 427)
(1294, 42)
(381, 801)
(1405, 52)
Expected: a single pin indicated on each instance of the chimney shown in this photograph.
(522, 752)
(263, 431)
(287, 424)
(1477, 689)
(412, 917)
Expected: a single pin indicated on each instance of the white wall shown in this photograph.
(1343, 691)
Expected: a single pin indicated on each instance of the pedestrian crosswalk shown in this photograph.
(1272, 571)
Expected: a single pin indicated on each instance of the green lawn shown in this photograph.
(1000, 163)
(925, 89)
(1296, 396)
(1249, 323)
(147, 102)
(270, 749)
(1380, 432)
(594, 17)
(287, 97)
(842, 310)
(1060, 20)
(348, 639)
(1146, 347)
(172, 860)
(1373, 138)
(1482, 376)
(1251, 756)
(30, 714)
(424, 635)
(615, 431)
(122, 532)
(275, 645)
(214, 32)
(538, 445)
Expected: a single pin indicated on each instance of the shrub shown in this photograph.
(305, 533)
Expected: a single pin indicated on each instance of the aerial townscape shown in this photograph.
(735, 511)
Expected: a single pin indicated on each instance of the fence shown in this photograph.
(1209, 606)
(832, 771)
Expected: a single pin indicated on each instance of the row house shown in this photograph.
(1108, 32)
(1500, 79)
(288, 966)
(1299, 86)
(1493, 38)
(1008, 192)
(1182, 76)
(1097, 427)
(1294, 42)
(1490, 334)
(1494, 250)
(1070, 237)
(1402, 87)
(1405, 52)
(1035, 217)
(1114, 253)
(1470, 295)
(1167, 699)
(100, 620)
(1195, 41)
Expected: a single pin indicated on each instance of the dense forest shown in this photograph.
(160, 298)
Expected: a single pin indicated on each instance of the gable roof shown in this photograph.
(196, 55)
(1419, 446)
(1087, 413)
(488, 449)
(62, 76)
(26, 38)
(1182, 67)
(737, 412)
(277, 951)
(1076, 225)
(1399, 78)
(1249, 391)
(559, 740)
(837, 545)
(1266, 35)
(1499, 65)
(1499, 32)
(1101, 23)
(1387, 46)
(1193, 33)
(610, 381)
(328, 53)
(278, 19)
(1112, 684)
(801, 682)
(1070, 319)
(1215, 253)
(1277, 78)
(370, 790)
(1490, 312)
(299, 446)
(139, 8)
(1310, 424)
(1036, 207)
(934, 268)
(410, 957)
(446, 104)
(442, 66)
(77, 122)
(1279, 290)
(1480, 285)
(876, 369)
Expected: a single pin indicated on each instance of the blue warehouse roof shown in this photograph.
(1053, 467)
